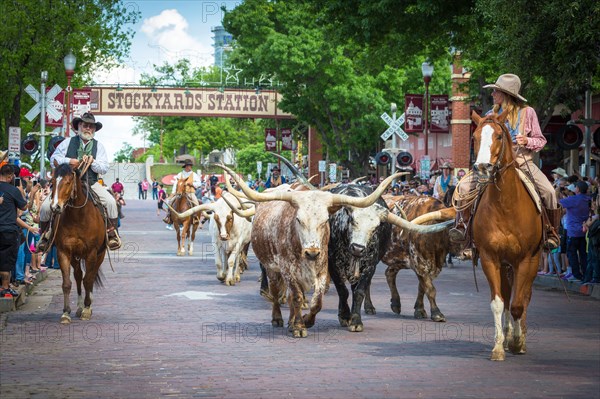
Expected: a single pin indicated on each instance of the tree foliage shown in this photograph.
(36, 35)
(124, 154)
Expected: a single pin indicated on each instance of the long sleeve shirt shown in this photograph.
(578, 210)
(100, 164)
(197, 182)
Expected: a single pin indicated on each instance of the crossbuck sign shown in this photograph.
(394, 127)
(51, 111)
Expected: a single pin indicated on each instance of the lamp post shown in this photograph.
(44, 78)
(70, 62)
(427, 70)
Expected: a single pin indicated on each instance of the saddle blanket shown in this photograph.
(531, 189)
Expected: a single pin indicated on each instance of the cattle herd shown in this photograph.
(304, 236)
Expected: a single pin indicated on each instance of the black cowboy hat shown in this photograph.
(87, 117)
(187, 162)
(275, 168)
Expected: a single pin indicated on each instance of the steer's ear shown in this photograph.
(333, 209)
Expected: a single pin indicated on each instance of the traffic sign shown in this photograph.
(51, 111)
(14, 139)
(394, 127)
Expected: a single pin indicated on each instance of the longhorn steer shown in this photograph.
(231, 235)
(359, 238)
(290, 237)
(424, 254)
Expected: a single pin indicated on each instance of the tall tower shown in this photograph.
(222, 44)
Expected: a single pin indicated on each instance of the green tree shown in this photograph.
(36, 35)
(125, 153)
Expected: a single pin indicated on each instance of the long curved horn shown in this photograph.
(191, 211)
(296, 172)
(230, 189)
(401, 211)
(358, 179)
(245, 213)
(330, 186)
(417, 228)
(255, 195)
(363, 202)
(441, 215)
(310, 179)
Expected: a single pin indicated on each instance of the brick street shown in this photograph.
(164, 326)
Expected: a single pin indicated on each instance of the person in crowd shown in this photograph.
(120, 204)
(11, 199)
(522, 123)
(117, 187)
(577, 211)
(145, 186)
(162, 196)
(140, 190)
(72, 151)
(592, 229)
(275, 179)
(154, 189)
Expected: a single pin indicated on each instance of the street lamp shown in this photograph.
(70, 62)
(427, 70)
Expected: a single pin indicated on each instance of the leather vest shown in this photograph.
(90, 176)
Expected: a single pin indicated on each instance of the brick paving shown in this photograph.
(163, 326)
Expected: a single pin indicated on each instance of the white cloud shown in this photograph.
(117, 130)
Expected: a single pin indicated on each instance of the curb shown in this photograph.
(592, 291)
(12, 304)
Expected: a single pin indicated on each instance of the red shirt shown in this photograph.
(117, 187)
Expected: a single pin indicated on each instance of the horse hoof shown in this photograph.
(65, 319)
(238, 279)
(356, 328)
(420, 314)
(221, 277)
(180, 254)
(371, 311)
(190, 253)
(498, 355)
(344, 322)
(396, 309)
(229, 282)
(78, 313)
(86, 314)
(439, 317)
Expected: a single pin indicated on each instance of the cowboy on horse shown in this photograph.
(192, 182)
(522, 123)
(73, 151)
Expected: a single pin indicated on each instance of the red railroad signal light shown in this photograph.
(53, 143)
(404, 158)
(383, 158)
(29, 145)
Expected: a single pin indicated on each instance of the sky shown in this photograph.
(166, 31)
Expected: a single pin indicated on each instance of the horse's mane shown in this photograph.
(63, 170)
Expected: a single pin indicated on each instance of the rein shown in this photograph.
(83, 167)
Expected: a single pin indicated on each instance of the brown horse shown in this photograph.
(79, 236)
(507, 232)
(189, 224)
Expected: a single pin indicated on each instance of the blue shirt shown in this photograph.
(578, 210)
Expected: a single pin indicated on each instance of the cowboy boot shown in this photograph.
(114, 241)
(458, 234)
(45, 236)
(552, 227)
(167, 219)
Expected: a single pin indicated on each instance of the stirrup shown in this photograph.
(551, 243)
(43, 242)
(114, 241)
(457, 235)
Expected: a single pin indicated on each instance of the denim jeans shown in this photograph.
(577, 255)
(593, 266)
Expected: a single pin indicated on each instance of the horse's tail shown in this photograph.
(99, 279)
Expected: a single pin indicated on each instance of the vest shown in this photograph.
(90, 176)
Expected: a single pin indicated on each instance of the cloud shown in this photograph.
(168, 32)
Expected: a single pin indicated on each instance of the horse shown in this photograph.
(507, 232)
(189, 224)
(79, 236)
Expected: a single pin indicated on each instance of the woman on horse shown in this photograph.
(522, 123)
(71, 151)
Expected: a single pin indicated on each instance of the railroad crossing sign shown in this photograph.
(51, 111)
(394, 127)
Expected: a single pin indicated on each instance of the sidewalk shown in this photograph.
(12, 304)
(551, 282)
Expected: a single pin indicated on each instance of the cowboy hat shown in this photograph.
(509, 84)
(187, 162)
(88, 117)
(560, 171)
(446, 165)
(275, 168)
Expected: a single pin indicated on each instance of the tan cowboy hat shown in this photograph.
(446, 165)
(509, 84)
(87, 117)
(561, 172)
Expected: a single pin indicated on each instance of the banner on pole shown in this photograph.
(286, 140)
(413, 110)
(270, 139)
(440, 114)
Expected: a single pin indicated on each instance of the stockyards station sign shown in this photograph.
(145, 101)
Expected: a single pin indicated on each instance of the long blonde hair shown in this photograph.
(511, 106)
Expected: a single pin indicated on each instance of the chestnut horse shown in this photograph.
(507, 232)
(79, 233)
(189, 224)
